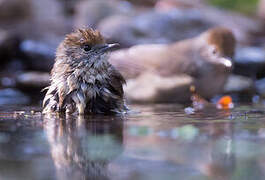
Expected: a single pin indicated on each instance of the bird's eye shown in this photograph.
(214, 51)
(87, 47)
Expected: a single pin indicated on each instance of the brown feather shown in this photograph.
(223, 39)
(84, 36)
(201, 57)
(82, 79)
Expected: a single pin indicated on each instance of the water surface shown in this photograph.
(159, 142)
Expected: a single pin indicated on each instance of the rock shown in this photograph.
(152, 27)
(34, 18)
(238, 84)
(14, 65)
(90, 13)
(47, 22)
(14, 10)
(41, 23)
(143, 3)
(38, 55)
(9, 44)
(39, 34)
(250, 61)
(172, 25)
(42, 34)
(9, 51)
(36, 80)
(12, 97)
(260, 86)
(165, 5)
(32, 84)
(33, 38)
(175, 24)
(8, 82)
(125, 35)
(47, 13)
(249, 55)
(243, 27)
(69, 6)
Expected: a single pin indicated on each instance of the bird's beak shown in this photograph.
(226, 61)
(109, 47)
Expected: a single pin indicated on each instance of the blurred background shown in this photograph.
(155, 144)
(30, 31)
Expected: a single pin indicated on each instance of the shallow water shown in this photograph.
(159, 142)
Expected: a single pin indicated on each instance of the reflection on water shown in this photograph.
(81, 148)
(160, 142)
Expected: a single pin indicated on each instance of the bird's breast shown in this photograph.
(209, 86)
(90, 76)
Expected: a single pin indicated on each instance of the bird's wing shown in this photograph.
(186, 58)
(116, 82)
(126, 65)
(136, 60)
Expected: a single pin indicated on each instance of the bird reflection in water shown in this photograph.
(220, 159)
(212, 151)
(82, 147)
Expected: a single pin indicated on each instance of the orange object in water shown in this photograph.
(225, 102)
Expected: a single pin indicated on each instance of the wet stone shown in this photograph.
(236, 83)
(153, 27)
(250, 61)
(9, 44)
(260, 86)
(90, 13)
(12, 96)
(38, 54)
(33, 80)
(69, 6)
(143, 3)
(13, 10)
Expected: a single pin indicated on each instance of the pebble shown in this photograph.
(189, 110)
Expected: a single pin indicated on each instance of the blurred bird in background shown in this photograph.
(167, 71)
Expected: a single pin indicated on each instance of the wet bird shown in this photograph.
(82, 79)
(155, 71)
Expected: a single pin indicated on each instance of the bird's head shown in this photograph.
(84, 45)
(220, 46)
